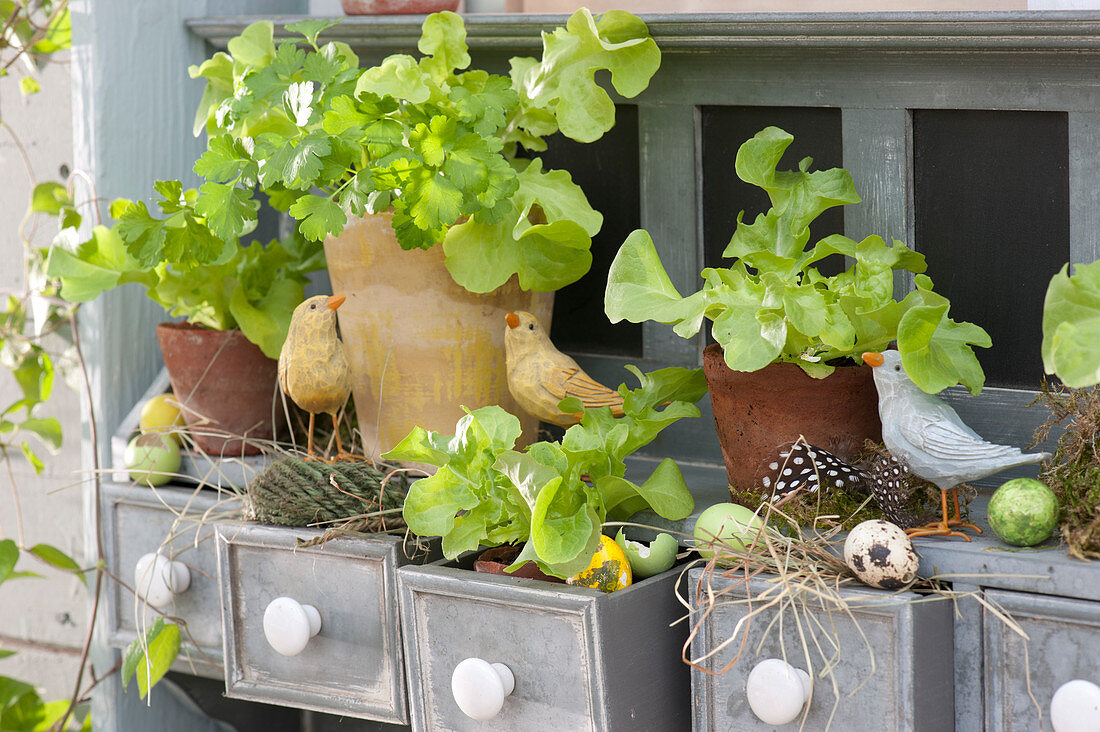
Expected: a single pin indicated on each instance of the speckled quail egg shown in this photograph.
(881, 555)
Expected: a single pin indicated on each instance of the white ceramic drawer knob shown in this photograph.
(479, 687)
(157, 579)
(1075, 707)
(288, 625)
(777, 691)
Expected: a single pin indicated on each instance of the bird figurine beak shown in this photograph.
(336, 301)
(512, 319)
(873, 359)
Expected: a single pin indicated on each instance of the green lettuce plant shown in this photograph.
(1071, 325)
(552, 497)
(426, 137)
(772, 304)
(253, 287)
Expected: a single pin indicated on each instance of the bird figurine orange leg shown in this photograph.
(313, 365)
(540, 376)
(928, 436)
(943, 527)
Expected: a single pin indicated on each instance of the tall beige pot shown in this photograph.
(420, 346)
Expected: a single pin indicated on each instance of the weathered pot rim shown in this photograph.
(715, 354)
(486, 562)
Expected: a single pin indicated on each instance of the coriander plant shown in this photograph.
(425, 137)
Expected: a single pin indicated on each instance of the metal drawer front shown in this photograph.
(179, 523)
(582, 660)
(354, 665)
(1064, 645)
(909, 686)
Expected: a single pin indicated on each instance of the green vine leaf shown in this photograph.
(54, 557)
(149, 657)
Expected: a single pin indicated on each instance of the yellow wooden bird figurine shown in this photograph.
(313, 365)
(540, 376)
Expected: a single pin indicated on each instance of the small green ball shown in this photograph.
(1023, 512)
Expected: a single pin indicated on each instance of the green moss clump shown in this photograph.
(1073, 473)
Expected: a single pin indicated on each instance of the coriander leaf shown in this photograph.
(226, 160)
(483, 101)
(142, 233)
(433, 200)
(342, 115)
(228, 210)
(319, 216)
(299, 100)
(434, 139)
(310, 29)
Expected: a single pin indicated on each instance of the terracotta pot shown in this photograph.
(421, 347)
(396, 7)
(226, 387)
(756, 412)
(495, 560)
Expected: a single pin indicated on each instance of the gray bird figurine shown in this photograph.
(927, 435)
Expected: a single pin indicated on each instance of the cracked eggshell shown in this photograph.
(647, 560)
(881, 555)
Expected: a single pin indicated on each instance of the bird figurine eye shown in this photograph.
(531, 326)
(897, 368)
(313, 306)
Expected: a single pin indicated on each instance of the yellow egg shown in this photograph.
(160, 414)
(608, 571)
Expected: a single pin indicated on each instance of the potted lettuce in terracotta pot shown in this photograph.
(237, 307)
(789, 338)
(548, 501)
(434, 224)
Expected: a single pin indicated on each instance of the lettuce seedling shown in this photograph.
(552, 498)
(772, 304)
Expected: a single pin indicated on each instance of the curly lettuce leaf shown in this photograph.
(1071, 325)
(563, 81)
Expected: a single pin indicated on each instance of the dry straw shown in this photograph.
(797, 576)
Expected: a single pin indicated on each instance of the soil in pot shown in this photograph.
(225, 384)
(494, 561)
(757, 412)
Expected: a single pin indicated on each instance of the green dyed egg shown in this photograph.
(1023, 512)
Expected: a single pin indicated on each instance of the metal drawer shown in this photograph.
(910, 686)
(582, 659)
(354, 665)
(1064, 645)
(177, 523)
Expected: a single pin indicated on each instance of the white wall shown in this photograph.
(43, 620)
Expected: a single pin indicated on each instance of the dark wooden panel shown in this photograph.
(608, 172)
(817, 134)
(991, 200)
(722, 130)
